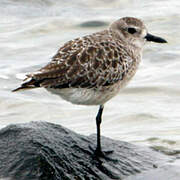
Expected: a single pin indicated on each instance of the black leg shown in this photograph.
(98, 152)
(98, 123)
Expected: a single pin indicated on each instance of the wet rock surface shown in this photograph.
(46, 151)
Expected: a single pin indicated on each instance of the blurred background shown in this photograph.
(146, 112)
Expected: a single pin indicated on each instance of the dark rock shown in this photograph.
(45, 151)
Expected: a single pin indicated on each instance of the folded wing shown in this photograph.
(82, 64)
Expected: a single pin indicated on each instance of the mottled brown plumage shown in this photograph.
(92, 69)
(89, 62)
(93, 61)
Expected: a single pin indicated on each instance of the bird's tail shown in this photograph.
(27, 85)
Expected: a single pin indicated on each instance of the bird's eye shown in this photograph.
(131, 30)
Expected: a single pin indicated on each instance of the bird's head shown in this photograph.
(133, 32)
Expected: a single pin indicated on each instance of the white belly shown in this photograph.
(84, 96)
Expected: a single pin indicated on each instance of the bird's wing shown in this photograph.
(82, 65)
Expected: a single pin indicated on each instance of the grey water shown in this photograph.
(146, 112)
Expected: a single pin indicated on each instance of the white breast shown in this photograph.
(85, 96)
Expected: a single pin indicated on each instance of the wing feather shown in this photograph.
(84, 63)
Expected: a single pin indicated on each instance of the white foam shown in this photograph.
(4, 76)
(21, 76)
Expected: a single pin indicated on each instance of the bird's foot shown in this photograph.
(99, 154)
(102, 154)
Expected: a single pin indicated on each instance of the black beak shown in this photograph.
(150, 37)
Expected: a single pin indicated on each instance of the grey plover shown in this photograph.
(90, 70)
